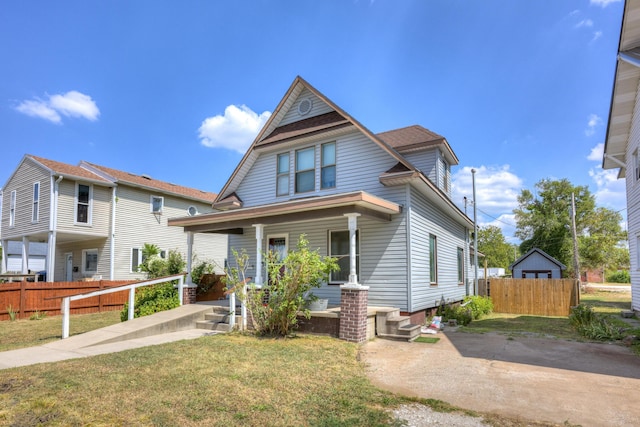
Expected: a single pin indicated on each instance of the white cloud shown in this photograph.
(70, 104)
(497, 191)
(596, 36)
(594, 121)
(584, 23)
(603, 3)
(235, 130)
(75, 104)
(39, 108)
(596, 153)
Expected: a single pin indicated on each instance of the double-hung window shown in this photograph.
(89, 261)
(339, 248)
(83, 204)
(328, 168)
(35, 213)
(433, 260)
(460, 266)
(157, 204)
(305, 170)
(12, 209)
(282, 180)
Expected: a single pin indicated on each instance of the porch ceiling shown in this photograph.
(308, 209)
(61, 237)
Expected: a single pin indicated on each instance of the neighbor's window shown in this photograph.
(83, 204)
(328, 169)
(90, 261)
(460, 266)
(339, 248)
(433, 259)
(12, 209)
(282, 180)
(35, 212)
(157, 203)
(305, 170)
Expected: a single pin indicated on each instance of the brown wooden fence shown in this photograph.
(540, 297)
(25, 298)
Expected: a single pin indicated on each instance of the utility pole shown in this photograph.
(475, 233)
(576, 259)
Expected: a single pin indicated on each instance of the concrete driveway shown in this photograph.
(538, 379)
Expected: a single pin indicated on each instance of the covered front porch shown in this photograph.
(275, 226)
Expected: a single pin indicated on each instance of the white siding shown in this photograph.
(633, 205)
(354, 172)
(425, 161)
(100, 209)
(382, 255)
(22, 181)
(136, 225)
(318, 107)
(427, 219)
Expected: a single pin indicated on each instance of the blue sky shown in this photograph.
(177, 90)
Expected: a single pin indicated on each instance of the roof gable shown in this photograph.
(416, 138)
(278, 130)
(540, 252)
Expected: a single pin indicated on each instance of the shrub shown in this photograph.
(152, 299)
(200, 269)
(462, 315)
(38, 315)
(479, 306)
(12, 313)
(593, 325)
(621, 276)
(274, 308)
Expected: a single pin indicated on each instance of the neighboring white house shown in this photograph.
(95, 220)
(380, 203)
(622, 145)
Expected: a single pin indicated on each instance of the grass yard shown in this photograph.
(28, 333)
(606, 302)
(216, 380)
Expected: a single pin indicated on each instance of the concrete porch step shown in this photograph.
(213, 326)
(407, 332)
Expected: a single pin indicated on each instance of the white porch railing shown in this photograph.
(66, 301)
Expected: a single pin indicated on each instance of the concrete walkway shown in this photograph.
(173, 325)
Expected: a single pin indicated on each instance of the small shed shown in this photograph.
(537, 264)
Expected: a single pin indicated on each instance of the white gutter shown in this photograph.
(112, 245)
(53, 224)
(629, 59)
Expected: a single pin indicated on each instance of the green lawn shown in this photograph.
(28, 333)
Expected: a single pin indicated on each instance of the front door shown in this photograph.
(68, 267)
(276, 244)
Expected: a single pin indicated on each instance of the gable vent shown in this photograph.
(305, 106)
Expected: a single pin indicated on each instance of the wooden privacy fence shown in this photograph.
(26, 298)
(541, 297)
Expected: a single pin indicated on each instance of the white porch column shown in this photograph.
(189, 256)
(5, 246)
(353, 225)
(25, 255)
(51, 255)
(259, 236)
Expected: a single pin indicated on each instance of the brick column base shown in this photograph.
(189, 294)
(353, 313)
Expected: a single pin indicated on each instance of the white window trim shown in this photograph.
(84, 260)
(435, 260)
(131, 269)
(358, 256)
(151, 204)
(12, 208)
(35, 207)
(288, 174)
(284, 236)
(334, 164)
(89, 209)
(296, 171)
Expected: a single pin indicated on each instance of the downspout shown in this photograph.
(53, 224)
(407, 214)
(112, 245)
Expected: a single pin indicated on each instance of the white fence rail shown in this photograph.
(66, 301)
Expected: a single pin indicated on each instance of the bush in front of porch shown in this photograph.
(273, 309)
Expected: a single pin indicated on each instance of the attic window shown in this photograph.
(304, 107)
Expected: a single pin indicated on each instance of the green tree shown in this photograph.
(491, 243)
(544, 221)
